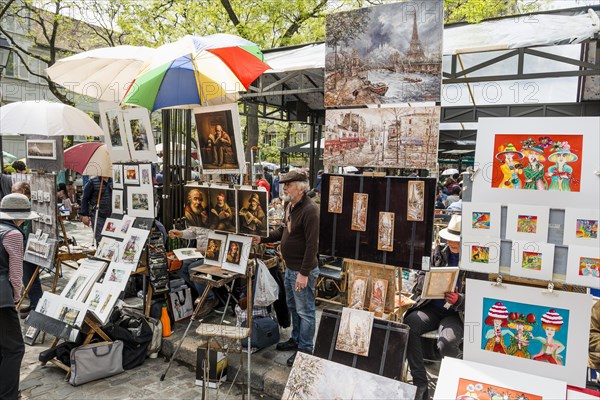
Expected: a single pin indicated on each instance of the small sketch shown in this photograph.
(385, 232)
(378, 293)
(358, 291)
(354, 335)
(359, 212)
(416, 201)
(480, 220)
(336, 194)
(527, 223)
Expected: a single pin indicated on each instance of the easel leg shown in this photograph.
(28, 288)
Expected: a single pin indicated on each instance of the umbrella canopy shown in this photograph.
(195, 70)
(8, 158)
(46, 118)
(450, 171)
(90, 158)
(103, 73)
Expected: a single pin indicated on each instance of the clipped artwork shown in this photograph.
(527, 223)
(197, 205)
(237, 253)
(139, 134)
(113, 125)
(221, 215)
(583, 266)
(581, 227)
(481, 219)
(480, 254)
(354, 335)
(378, 293)
(385, 232)
(358, 292)
(215, 249)
(360, 205)
(416, 201)
(336, 194)
(533, 260)
(252, 214)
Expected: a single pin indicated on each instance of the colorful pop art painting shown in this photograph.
(581, 226)
(586, 228)
(583, 266)
(469, 389)
(480, 254)
(527, 223)
(480, 220)
(532, 260)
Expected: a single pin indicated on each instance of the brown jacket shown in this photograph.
(594, 351)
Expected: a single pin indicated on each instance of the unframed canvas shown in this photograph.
(252, 214)
(354, 334)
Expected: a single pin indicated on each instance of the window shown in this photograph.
(15, 67)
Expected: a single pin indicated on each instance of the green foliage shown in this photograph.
(473, 11)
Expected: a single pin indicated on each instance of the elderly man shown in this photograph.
(299, 236)
(195, 213)
(253, 218)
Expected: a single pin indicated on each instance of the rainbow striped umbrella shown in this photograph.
(196, 70)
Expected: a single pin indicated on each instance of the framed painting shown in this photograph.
(360, 205)
(113, 125)
(215, 249)
(438, 281)
(523, 328)
(145, 171)
(252, 211)
(583, 266)
(336, 194)
(237, 253)
(41, 149)
(459, 379)
(117, 202)
(358, 292)
(197, 205)
(581, 227)
(354, 335)
(385, 232)
(140, 201)
(131, 174)
(527, 223)
(139, 134)
(133, 245)
(369, 60)
(117, 176)
(480, 254)
(222, 212)
(415, 204)
(219, 139)
(481, 219)
(533, 260)
(378, 294)
(543, 161)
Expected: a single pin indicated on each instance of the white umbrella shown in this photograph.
(450, 171)
(103, 73)
(45, 118)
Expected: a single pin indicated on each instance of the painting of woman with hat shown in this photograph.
(519, 342)
(551, 323)
(497, 318)
(561, 173)
(510, 168)
(534, 171)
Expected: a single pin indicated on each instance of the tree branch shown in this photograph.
(298, 21)
(230, 12)
(5, 7)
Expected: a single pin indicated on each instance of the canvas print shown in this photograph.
(131, 174)
(533, 260)
(215, 249)
(336, 194)
(385, 54)
(525, 329)
(378, 293)
(358, 292)
(524, 222)
(416, 201)
(581, 227)
(382, 137)
(221, 215)
(481, 219)
(113, 125)
(140, 201)
(41, 149)
(139, 134)
(317, 378)
(360, 206)
(480, 254)
(237, 253)
(354, 334)
(438, 281)
(145, 171)
(467, 380)
(220, 139)
(117, 176)
(385, 233)
(117, 202)
(583, 266)
(252, 214)
(197, 205)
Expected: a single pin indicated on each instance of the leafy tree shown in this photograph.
(473, 11)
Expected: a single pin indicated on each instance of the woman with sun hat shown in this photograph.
(510, 168)
(561, 174)
(519, 342)
(551, 323)
(534, 171)
(497, 318)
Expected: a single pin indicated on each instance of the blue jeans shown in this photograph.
(184, 272)
(35, 292)
(302, 308)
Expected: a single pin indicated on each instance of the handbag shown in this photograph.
(265, 332)
(96, 361)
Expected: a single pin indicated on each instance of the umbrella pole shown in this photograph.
(97, 210)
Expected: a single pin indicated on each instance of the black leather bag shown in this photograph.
(136, 335)
(265, 332)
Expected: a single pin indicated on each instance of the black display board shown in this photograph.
(412, 239)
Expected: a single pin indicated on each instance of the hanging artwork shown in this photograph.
(41, 149)
(438, 281)
(113, 125)
(481, 219)
(480, 254)
(525, 329)
(215, 249)
(354, 335)
(358, 292)
(415, 202)
(378, 293)
(252, 214)
(139, 134)
(385, 233)
(146, 175)
(533, 260)
(131, 174)
(360, 205)
(117, 176)
(466, 380)
(581, 227)
(44, 203)
(583, 266)
(221, 215)
(527, 222)
(220, 139)
(336, 194)
(385, 54)
(542, 161)
(382, 137)
(237, 253)
(590, 87)
(197, 205)
(117, 202)
(140, 201)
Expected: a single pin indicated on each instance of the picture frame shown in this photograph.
(252, 208)
(354, 335)
(139, 134)
(564, 312)
(145, 175)
(113, 125)
(525, 222)
(583, 266)
(438, 281)
(378, 295)
(360, 205)
(385, 232)
(358, 292)
(140, 201)
(480, 254)
(30, 335)
(481, 219)
(415, 202)
(336, 194)
(581, 227)
(118, 201)
(131, 174)
(456, 376)
(220, 139)
(197, 205)
(215, 250)
(579, 132)
(117, 176)
(237, 253)
(108, 249)
(534, 260)
(41, 149)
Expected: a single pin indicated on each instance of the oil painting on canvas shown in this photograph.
(416, 201)
(252, 214)
(359, 212)
(384, 54)
(354, 335)
(197, 206)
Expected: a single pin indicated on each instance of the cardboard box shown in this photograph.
(217, 368)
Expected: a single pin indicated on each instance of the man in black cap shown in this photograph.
(299, 236)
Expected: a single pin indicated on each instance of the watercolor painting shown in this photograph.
(385, 233)
(589, 266)
(532, 260)
(480, 254)
(357, 293)
(480, 220)
(527, 223)
(416, 202)
(354, 335)
(378, 293)
(336, 194)
(586, 229)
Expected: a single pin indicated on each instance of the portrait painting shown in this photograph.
(583, 266)
(416, 201)
(131, 174)
(252, 212)
(237, 253)
(117, 202)
(438, 281)
(358, 292)
(197, 205)
(360, 206)
(480, 254)
(581, 227)
(378, 294)
(354, 334)
(139, 134)
(140, 201)
(215, 249)
(525, 222)
(117, 176)
(219, 139)
(384, 54)
(385, 232)
(115, 136)
(524, 329)
(222, 212)
(481, 219)
(336, 194)
(533, 260)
